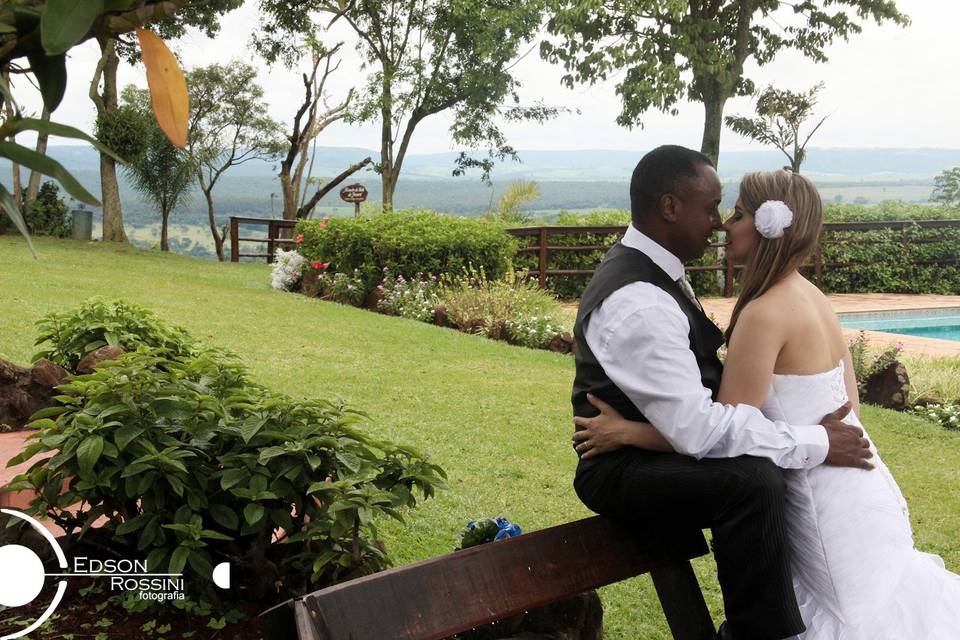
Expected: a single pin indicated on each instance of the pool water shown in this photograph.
(942, 324)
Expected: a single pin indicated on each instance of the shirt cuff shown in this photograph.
(812, 444)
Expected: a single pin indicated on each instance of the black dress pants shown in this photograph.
(740, 499)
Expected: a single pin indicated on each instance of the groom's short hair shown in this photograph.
(660, 172)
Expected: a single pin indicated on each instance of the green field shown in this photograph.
(496, 417)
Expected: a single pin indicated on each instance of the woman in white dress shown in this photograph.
(856, 573)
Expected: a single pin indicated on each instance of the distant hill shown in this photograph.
(570, 180)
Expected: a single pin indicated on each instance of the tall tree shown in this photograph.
(946, 188)
(665, 51)
(781, 114)
(104, 91)
(426, 57)
(162, 172)
(228, 127)
(313, 116)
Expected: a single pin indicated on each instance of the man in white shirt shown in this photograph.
(646, 348)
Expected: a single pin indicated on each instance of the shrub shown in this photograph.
(49, 216)
(193, 464)
(406, 242)
(866, 366)
(287, 270)
(947, 414)
(97, 322)
(509, 308)
(345, 288)
(416, 298)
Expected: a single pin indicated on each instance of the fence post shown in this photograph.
(903, 253)
(727, 276)
(543, 258)
(234, 242)
(271, 236)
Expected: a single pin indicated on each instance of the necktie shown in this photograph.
(688, 291)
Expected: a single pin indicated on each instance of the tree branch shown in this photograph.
(306, 209)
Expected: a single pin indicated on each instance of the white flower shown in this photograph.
(772, 217)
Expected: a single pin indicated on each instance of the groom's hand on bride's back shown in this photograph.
(848, 447)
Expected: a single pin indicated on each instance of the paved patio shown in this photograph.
(721, 308)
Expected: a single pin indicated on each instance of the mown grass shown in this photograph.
(496, 417)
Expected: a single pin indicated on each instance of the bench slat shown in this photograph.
(438, 597)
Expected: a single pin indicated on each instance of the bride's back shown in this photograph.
(814, 342)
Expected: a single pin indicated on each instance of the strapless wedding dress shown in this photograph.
(856, 573)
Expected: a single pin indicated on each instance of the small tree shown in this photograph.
(162, 172)
(946, 188)
(47, 215)
(781, 114)
(517, 194)
(228, 127)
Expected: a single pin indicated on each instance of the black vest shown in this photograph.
(620, 267)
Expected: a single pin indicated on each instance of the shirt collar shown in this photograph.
(670, 263)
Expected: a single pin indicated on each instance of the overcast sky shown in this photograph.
(888, 87)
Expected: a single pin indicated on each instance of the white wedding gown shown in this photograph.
(856, 573)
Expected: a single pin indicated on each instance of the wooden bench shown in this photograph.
(441, 596)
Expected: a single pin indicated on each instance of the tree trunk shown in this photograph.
(388, 177)
(106, 102)
(713, 103)
(214, 229)
(33, 185)
(389, 183)
(164, 240)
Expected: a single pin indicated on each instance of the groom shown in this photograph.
(646, 348)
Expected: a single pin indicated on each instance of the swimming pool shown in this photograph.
(942, 324)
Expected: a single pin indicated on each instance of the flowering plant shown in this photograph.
(535, 332)
(346, 288)
(946, 414)
(487, 530)
(287, 269)
(416, 298)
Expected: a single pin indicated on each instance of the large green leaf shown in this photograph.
(65, 22)
(88, 453)
(62, 130)
(10, 207)
(47, 166)
(51, 73)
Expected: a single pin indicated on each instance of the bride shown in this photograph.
(856, 573)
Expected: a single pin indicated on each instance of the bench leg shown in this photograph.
(682, 602)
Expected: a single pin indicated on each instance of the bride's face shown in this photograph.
(742, 234)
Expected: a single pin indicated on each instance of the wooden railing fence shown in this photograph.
(543, 248)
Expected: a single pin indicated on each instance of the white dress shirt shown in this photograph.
(640, 337)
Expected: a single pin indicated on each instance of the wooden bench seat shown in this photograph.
(441, 596)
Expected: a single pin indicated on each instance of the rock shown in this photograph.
(579, 617)
(47, 373)
(24, 391)
(889, 387)
(562, 343)
(372, 300)
(440, 317)
(90, 361)
(312, 283)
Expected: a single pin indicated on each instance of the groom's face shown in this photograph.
(696, 214)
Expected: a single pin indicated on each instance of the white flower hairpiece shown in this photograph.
(772, 217)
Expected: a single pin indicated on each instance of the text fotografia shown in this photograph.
(132, 575)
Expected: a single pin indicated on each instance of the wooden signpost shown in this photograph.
(355, 193)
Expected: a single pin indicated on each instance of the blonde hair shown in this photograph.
(774, 258)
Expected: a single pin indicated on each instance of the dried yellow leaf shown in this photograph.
(168, 87)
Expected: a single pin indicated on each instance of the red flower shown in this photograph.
(319, 266)
(299, 238)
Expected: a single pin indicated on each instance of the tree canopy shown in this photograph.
(664, 51)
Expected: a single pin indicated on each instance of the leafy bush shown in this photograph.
(125, 130)
(193, 464)
(287, 270)
(947, 414)
(345, 288)
(97, 322)
(509, 308)
(416, 298)
(406, 242)
(866, 366)
(49, 215)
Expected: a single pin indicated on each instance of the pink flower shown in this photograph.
(319, 266)
(299, 238)
(294, 274)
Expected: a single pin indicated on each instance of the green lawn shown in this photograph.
(496, 417)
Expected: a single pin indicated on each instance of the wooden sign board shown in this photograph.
(355, 193)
